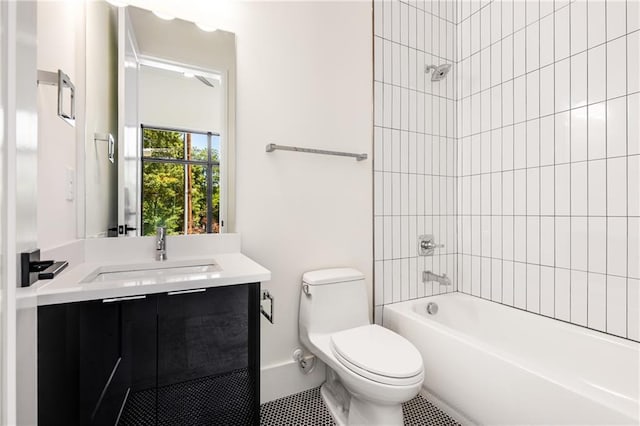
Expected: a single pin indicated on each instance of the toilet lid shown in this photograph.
(377, 350)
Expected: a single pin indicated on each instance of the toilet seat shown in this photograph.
(378, 354)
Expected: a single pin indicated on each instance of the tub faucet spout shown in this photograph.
(430, 276)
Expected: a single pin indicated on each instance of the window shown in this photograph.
(180, 181)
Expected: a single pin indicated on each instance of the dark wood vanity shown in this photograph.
(187, 357)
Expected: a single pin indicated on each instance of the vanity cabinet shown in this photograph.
(184, 357)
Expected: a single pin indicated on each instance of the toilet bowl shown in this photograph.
(371, 370)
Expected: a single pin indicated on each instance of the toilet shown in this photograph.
(371, 370)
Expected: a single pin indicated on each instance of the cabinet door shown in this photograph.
(205, 375)
(79, 359)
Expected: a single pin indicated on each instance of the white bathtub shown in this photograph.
(498, 365)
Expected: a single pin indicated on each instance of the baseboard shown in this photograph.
(284, 379)
(443, 406)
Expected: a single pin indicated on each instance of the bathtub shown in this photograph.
(494, 364)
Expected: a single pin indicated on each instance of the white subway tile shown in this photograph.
(597, 130)
(520, 99)
(547, 140)
(519, 53)
(520, 185)
(597, 74)
(633, 129)
(546, 41)
(579, 297)
(616, 127)
(507, 17)
(579, 134)
(533, 191)
(496, 280)
(563, 242)
(533, 288)
(547, 90)
(507, 193)
(563, 294)
(596, 15)
(507, 237)
(562, 33)
(634, 247)
(578, 26)
(633, 188)
(562, 85)
(533, 46)
(579, 243)
(496, 24)
(563, 189)
(507, 58)
(633, 309)
(547, 185)
(533, 95)
(633, 60)
(598, 244)
(616, 67)
(547, 244)
(597, 182)
(533, 239)
(617, 306)
(616, 19)
(520, 240)
(532, 11)
(519, 14)
(579, 80)
(579, 189)
(507, 283)
(476, 274)
(617, 246)
(507, 102)
(617, 186)
(547, 296)
(485, 27)
(562, 137)
(633, 15)
(520, 285)
(496, 107)
(597, 297)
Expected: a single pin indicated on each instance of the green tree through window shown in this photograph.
(180, 181)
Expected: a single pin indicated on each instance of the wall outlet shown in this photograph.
(70, 182)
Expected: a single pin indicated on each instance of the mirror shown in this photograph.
(164, 92)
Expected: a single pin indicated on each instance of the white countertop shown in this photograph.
(234, 268)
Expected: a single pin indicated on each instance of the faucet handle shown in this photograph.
(427, 245)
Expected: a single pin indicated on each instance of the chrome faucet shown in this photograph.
(430, 276)
(161, 243)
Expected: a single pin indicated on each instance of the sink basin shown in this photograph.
(153, 271)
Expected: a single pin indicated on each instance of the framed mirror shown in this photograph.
(165, 91)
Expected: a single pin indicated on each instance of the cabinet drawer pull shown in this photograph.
(121, 299)
(195, 290)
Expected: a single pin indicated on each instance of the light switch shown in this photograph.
(69, 184)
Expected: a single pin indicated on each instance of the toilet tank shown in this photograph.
(332, 300)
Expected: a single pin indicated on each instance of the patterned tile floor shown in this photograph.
(307, 409)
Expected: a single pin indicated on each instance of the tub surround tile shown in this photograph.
(526, 157)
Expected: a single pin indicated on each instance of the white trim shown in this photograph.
(8, 277)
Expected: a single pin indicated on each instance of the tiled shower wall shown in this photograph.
(415, 147)
(549, 159)
(544, 156)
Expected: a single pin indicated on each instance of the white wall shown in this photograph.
(58, 25)
(304, 78)
(168, 99)
(304, 72)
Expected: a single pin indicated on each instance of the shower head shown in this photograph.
(439, 72)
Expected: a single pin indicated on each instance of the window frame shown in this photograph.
(209, 164)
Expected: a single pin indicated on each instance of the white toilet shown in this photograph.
(371, 370)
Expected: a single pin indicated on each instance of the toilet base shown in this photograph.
(348, 410)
